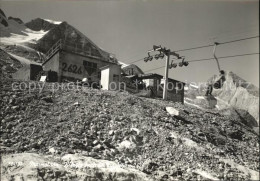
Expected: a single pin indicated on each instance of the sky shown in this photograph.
(129, 28)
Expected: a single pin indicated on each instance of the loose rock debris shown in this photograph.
(128, 130)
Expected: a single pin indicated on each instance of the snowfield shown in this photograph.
(53, 22)
(123, 64)
(29, 37)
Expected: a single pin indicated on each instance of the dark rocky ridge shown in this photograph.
(18, 20)
(40, 24)
(3, 18)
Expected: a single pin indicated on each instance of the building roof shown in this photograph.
(135, 69)
(107, 66)
(150, 76)
(154, 75)
(89, 56)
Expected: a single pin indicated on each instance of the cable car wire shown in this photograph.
(230, 56)
(154, 69)
(205, 46)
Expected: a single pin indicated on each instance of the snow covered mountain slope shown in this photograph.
(25, 36)
(17, 33)
(41, 34)
(16, 38)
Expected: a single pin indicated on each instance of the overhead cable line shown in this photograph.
(230, 56)
(136, 60)
(209, 59)
(239, 40)
(210, 45)
(205, 46)
(154, 69)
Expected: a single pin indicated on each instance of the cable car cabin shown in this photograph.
(75, 64)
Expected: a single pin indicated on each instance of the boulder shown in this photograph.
(172, 111)
(33, 167)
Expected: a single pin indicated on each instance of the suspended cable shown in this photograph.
(205, 46)
(209, 59)
(154, 69)
(238, 40)
(223, 57)
(136, 60)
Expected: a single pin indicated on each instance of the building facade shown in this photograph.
(72, 63)
(110, 77)
(153, 87)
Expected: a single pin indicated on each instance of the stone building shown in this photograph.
(74, 61)
(131, 69)
(110, 77)
(153, 87)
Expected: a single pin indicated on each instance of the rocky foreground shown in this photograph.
(89, 134)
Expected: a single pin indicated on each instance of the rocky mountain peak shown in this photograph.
(3, 19)
(237, 81)
(40, 24)
(18, 20)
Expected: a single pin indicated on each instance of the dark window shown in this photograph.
(90, 67)
(115, 78)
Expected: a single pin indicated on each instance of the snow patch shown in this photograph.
(53, 22)
(30, 37)
(123, 64)
(23, 60)
(200, 97)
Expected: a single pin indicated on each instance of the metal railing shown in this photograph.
(76, 48)
(57, 46)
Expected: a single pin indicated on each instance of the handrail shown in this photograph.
(54, 48)
(61, 44)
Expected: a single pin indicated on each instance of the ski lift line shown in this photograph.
(239, 40)
(210, 59)
(230, 56)
(154, 69)
(205, 46)
(135, 61)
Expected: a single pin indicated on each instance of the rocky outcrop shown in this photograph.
(40, 24)
(18, 20)
(3, 19)
(8, 64)
(33, 167)
(11, 25)
(239, 94)
(236, 94)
